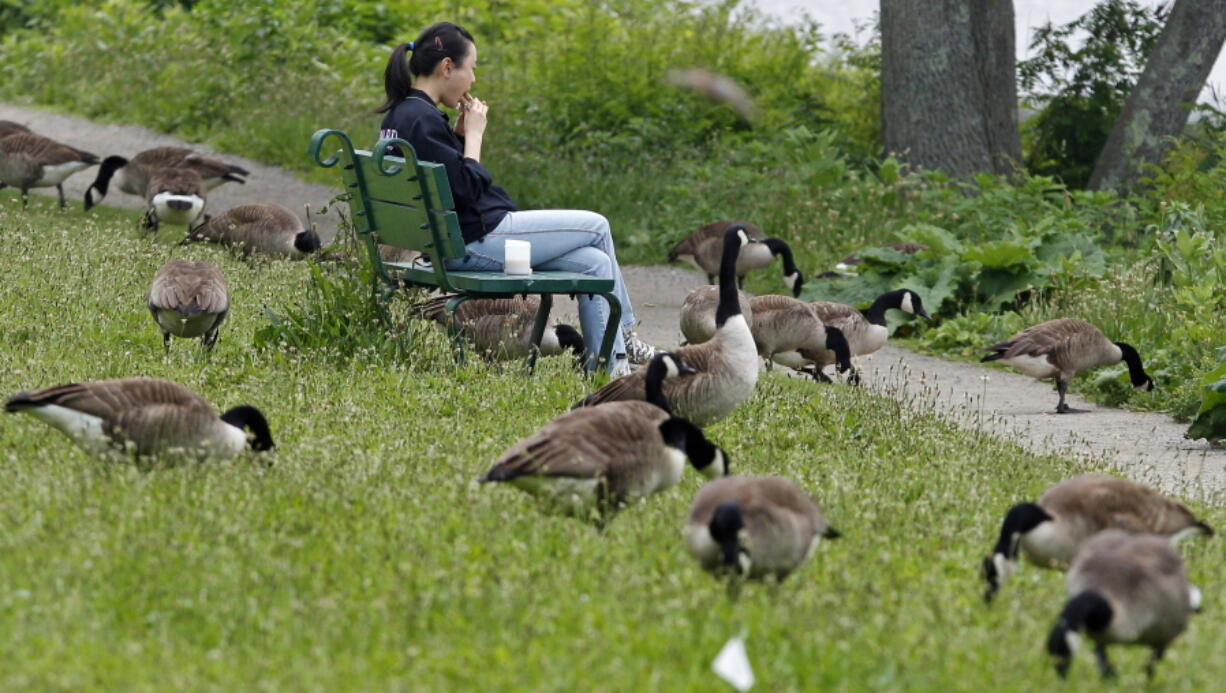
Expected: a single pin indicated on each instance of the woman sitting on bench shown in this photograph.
(442, 62)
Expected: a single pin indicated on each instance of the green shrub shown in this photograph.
(1210, 422)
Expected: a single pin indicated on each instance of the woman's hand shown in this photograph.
(472, 117)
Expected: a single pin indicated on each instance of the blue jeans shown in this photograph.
(568, 240)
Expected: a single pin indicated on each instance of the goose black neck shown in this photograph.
(836, 341)
(729, 303)
(1020, 519)
(249, 418)
(1136, 372)
(726, 523)
(106, 170)
(884, 302)
(657, 370)
(778, 247)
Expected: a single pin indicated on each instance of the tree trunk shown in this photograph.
(1158, 106)
(948, 85)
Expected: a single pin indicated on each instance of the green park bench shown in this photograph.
(409, 206)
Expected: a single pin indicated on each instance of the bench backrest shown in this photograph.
(398, 201)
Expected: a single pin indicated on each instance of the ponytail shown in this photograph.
(438, 41)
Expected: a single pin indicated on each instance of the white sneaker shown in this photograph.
(637, 351)
(621, 366)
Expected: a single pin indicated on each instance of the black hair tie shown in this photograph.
(408, 46)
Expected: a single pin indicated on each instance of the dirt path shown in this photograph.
(1146, 446)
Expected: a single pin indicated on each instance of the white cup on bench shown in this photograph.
(518, 258)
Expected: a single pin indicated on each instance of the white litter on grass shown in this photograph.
(732, 664)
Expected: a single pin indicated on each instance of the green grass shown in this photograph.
(365, 557)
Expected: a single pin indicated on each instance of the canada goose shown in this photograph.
(788, 326)
(614, 454)
(698, 313)
(143, 416)
(264, 227)
(1050, 530)
(1128, 589)
(33, 161)
(704, 248)
(851, 261)
(754, 526)
(175, 196)
(1061, 349)
(132, 175)
(866, 332)
(502, 327)
(727, 365)
(8, 127)
(189, 299)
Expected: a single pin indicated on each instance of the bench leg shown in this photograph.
(453, 327)
(538, 330)
(606, 346)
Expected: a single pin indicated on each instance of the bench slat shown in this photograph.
(550, 282)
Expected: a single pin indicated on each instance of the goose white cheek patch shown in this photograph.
(906, 305)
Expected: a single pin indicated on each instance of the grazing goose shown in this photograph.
(502, 327)
(754, 526)
(1061, 349)
(727, 365)
(698, 313)
(1127, 589)
(704, 249)
(1050, 531)
(851, 261)
(867, 332)
(264, 227)
(8, 127)
(143, 417)
(189, 299)
(132, 175)
(33, 161)
(175, 196)
(786, 327)
(608, 456)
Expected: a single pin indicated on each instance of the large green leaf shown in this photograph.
(935, 283)
(884, 259)
(854, 291)
(1066, 245)
(1001, 254)
(997, 287)
(1210, 422)
(940, 241)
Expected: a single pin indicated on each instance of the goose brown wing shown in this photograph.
(693, 243)
(576, 444)
(158, 427)
(209, 167)
(189, 287)
(45, 150)
(104, 397)
(836, 314)
(1055, 339)
(627, 387)
(160, 157)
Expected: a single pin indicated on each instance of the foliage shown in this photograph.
(1081, 90)
(365, 557)
(1002, 246)
(260, 77)
(1210, 422)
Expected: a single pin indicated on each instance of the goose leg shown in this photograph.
(59, 187)
(25, 197)
(740, 282)
(1104, 664)
(166, 342)
(710, 278)
(1063, 407)
(1152, 664)
(538, 329)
